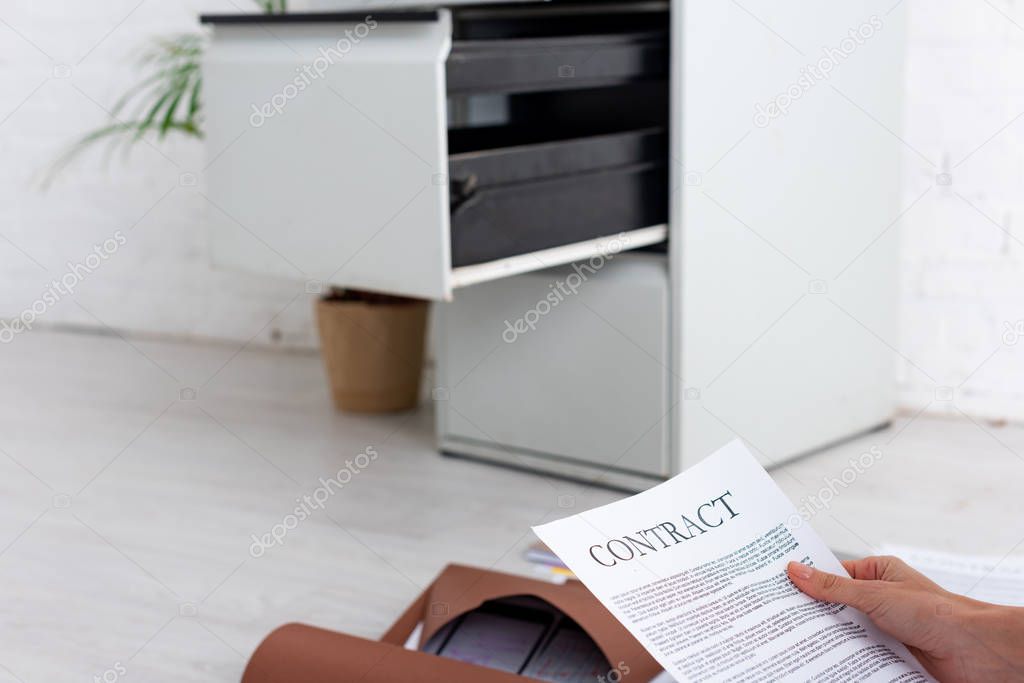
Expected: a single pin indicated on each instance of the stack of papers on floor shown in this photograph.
(547, 564)
(988, 578)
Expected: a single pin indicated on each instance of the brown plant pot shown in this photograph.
(372, 347)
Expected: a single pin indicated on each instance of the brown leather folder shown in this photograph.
(296, 652)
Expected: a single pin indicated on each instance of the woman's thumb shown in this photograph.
(862, 595)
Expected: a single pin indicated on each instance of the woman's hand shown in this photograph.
(954, 637)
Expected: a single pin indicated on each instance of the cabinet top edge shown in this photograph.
(319, 17)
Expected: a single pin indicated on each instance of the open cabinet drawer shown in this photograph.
(415, 152)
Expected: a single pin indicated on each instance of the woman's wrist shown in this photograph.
(995, 630)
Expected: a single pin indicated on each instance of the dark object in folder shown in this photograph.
(303, 653)
(569, 656)
(522, 635)
(497, 635)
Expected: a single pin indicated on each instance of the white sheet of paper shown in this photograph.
(982, 577)
(695, 568)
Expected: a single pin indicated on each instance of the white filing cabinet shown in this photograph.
(347, 159)
(456, 152)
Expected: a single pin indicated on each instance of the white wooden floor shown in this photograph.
(127, 511)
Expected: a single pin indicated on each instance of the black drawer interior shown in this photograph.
(508, 161)
(562, 18)
(529, 48)
(559, 63)
(541, 157)
(506, 220)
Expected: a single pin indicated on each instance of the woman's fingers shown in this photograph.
(859, 594)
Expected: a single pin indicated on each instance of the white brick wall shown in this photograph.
(160, 281)
(962, 270)
(963, 280)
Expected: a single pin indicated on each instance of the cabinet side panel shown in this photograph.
(785, 222)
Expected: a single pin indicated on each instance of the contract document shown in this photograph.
(695, 568)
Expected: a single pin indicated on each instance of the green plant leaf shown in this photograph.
(165, 125)
(171, 76)
(193, 101)
(147, 123)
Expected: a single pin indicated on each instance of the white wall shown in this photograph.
(61, 64)
(963, 243)
(963, 277)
